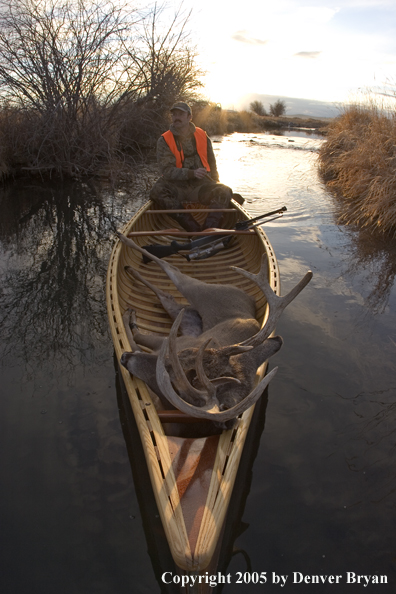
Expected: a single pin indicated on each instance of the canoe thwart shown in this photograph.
(191, 210)
(191, 233)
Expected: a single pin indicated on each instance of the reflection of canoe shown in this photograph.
(192, 477)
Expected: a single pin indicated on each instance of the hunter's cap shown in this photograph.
(182, 106)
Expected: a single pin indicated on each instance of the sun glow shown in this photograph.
(290, 49)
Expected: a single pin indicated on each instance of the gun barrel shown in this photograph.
(246, 224)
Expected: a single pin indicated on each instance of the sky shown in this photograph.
(321, 50)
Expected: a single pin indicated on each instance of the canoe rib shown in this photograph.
(192, 534)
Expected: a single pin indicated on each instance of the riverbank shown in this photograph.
(216, 120)
(358, 163)
(32, 147)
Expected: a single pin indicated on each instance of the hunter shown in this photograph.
(189, 173)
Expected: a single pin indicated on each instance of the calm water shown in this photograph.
(321, 496)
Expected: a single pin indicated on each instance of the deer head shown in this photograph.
(216, 382)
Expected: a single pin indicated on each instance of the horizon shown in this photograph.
(295, 106)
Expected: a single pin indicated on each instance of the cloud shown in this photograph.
(243, 37)
(308, 54)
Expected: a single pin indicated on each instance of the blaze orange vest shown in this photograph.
(201, 141)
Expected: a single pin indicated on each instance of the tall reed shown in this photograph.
(358, 163)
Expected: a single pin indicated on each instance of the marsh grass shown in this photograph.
(358, 163)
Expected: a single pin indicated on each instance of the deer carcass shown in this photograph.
(209, 371)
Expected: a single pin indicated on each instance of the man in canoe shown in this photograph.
(189, 172)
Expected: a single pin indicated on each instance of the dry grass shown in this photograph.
(215, 120)
(358, 163)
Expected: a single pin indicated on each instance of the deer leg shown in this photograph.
(191, 324)
(126, 318)
(149, 341)
(135, 337)
(180, 280)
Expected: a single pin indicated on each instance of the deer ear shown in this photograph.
(234, 349)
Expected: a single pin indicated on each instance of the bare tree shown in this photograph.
(278, 108)
(162, 69)
(70, 71)
(60, 62)
(163, 59)
(59, 53)
(258, 108)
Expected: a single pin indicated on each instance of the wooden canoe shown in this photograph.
(192, 477)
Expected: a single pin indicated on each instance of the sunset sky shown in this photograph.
(323, 50)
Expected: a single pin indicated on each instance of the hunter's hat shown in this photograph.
(182, 106)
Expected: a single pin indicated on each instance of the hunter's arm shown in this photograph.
(167, 163)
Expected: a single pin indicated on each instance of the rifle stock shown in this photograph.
(162, 251)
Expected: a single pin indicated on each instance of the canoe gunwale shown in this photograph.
(152, 433)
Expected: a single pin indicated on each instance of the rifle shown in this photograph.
(208, 245)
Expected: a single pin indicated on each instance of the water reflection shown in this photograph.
(369, 443)
(374, 258)
(56, 242)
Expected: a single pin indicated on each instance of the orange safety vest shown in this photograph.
(201, 141)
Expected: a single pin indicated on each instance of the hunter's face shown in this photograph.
(180, 119)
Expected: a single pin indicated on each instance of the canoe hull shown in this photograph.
(192, 478)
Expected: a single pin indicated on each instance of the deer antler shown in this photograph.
(181, 381)
(210, 410)
(203, 378)
(276, 304)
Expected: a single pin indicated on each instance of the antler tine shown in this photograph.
(260, 279)
(181, 381)
(213, 414)
(276, 304)
(203, 378)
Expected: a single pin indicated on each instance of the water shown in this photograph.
(322, 494)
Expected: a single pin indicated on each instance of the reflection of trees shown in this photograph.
(58, 240)
(371, 438)
(375, 257)
(370, 445)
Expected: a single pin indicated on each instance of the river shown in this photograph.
(321, 496)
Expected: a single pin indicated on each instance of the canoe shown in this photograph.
(156, 542)
(192, 477)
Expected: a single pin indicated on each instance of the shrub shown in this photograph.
(278, 108)
(258, 108)
(88, 81)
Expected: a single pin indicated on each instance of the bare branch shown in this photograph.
(91, 78)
